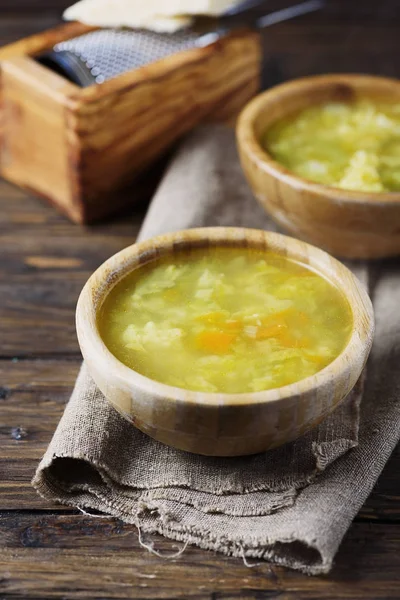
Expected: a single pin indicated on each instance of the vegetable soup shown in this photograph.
(225, 320)
(353, 146)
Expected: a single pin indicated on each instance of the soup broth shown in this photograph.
(353, 146)
(225, 320)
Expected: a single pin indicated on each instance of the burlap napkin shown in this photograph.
(292, 505)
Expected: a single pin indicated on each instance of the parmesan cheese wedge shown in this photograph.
(156, 15)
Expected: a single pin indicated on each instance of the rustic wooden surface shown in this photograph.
(51, 552)
(77, 147)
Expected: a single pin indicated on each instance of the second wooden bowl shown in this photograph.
(222, 424)
(347, 223)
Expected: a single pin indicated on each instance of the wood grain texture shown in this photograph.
(79, 147)
(38, 298)
(347, 36)
(189, 87)
(344, 222)
(222, 424)
(33, 394)
(34, 152)
(101, 558)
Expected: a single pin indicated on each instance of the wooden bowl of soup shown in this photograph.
(224, 341)
(322, 156)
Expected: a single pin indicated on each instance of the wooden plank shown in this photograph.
(35, 150)
(45, 263)
(24, 211)
(33, 396)
(77, 163)
(79, 557)
(31, 216)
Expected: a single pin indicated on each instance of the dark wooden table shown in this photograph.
(50, 552)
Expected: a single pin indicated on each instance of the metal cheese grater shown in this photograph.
(100, 55)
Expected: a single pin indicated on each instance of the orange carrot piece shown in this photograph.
(289, 341)
(217, 342)
(218, 319)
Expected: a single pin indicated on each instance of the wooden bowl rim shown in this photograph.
(249, 143)
(132, 257)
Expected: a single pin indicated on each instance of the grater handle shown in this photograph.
(289, 13)
(277, 16)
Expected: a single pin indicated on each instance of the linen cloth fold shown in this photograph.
(291, 505)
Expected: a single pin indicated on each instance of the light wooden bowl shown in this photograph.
(222, 424)
(347, 223)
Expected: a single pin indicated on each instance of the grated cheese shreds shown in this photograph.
(353, 146)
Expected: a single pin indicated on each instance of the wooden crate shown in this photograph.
(77, 147)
